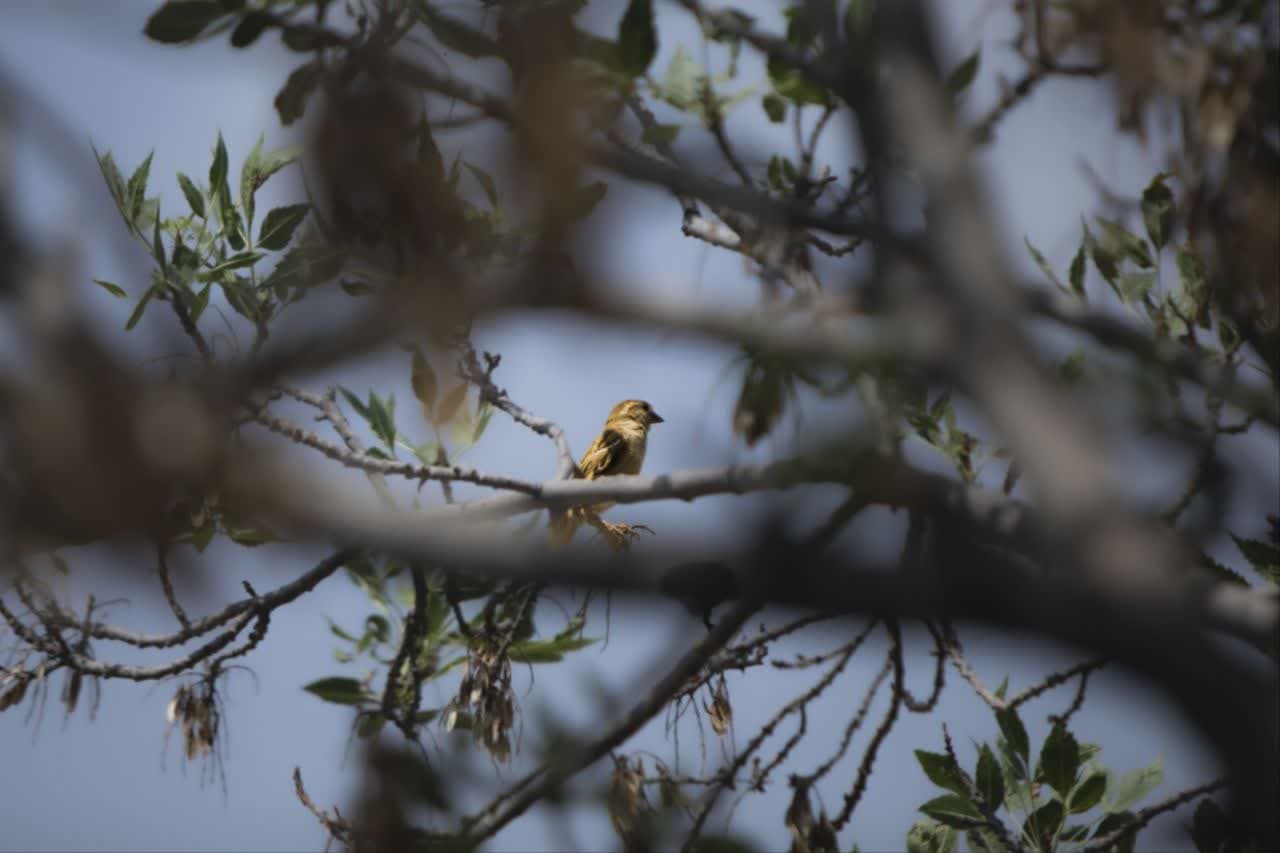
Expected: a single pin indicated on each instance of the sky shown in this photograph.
(77, 783)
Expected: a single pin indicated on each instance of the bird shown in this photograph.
(619, 449)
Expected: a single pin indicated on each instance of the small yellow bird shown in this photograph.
(619, 449)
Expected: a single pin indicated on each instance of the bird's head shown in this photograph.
(637, 412)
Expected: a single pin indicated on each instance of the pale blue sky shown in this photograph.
(105, 784)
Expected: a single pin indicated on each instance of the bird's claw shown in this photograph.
(620, 536)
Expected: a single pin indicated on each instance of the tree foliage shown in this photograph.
(881, 287)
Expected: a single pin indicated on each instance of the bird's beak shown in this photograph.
(655, 418)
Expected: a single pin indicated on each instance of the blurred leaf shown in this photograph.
(680, 84)
(1043, 263)
(1134, 286)
(1130, 788)
(114, 289)
(1059, 760)
(964, 73)
(1264, 558)
(941, 770)
(249, 29)
(584, 200)
(337, 689)
(1220, 571)
(1157, 210)
(547, 651)
(660, 135)
(775, 107)
(1075, 275)
(1072, 367)
(486, 183)
(291, 100)
(483, 416)
(181, 20)
(368, 725)
(953, 810)
(1120, 239)
(637, 39)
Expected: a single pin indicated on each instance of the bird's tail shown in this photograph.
(563, 526)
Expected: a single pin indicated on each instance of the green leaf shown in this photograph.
(249, 28)
(486, 183)
(794, 86)
(547, 651)
(1112, 823)
(235, 262)
(258, 168)
(1014, 733)
(1059, 761)
(1264, 558)
(988, 778)
(1043, 263)
(382, 419)
(354, 287)
(115, 184)
(1130, 788)
(182, 20)
(1220, 571)
(136, 191)
(1075, 275)
(337, 689)
(681, 84)
(1134, 286)
(1126, 242)
(928, 836)
(942, 771)
(368, 725)
(962, 75)
(423, 380)
(775, 107)
(194, 197)
(278, 226)
(637, 39)
(1088, 793)
(584, 200)
(660, 135)
(1072, 367)
(1043, 824)
(954, 811)
(114, 289)
(291, 100)
(137, 311)
(1157, 210)
(218, 168)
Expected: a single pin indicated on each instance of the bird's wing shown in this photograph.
(604, 456)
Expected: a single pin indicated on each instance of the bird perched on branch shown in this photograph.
(619, 449)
